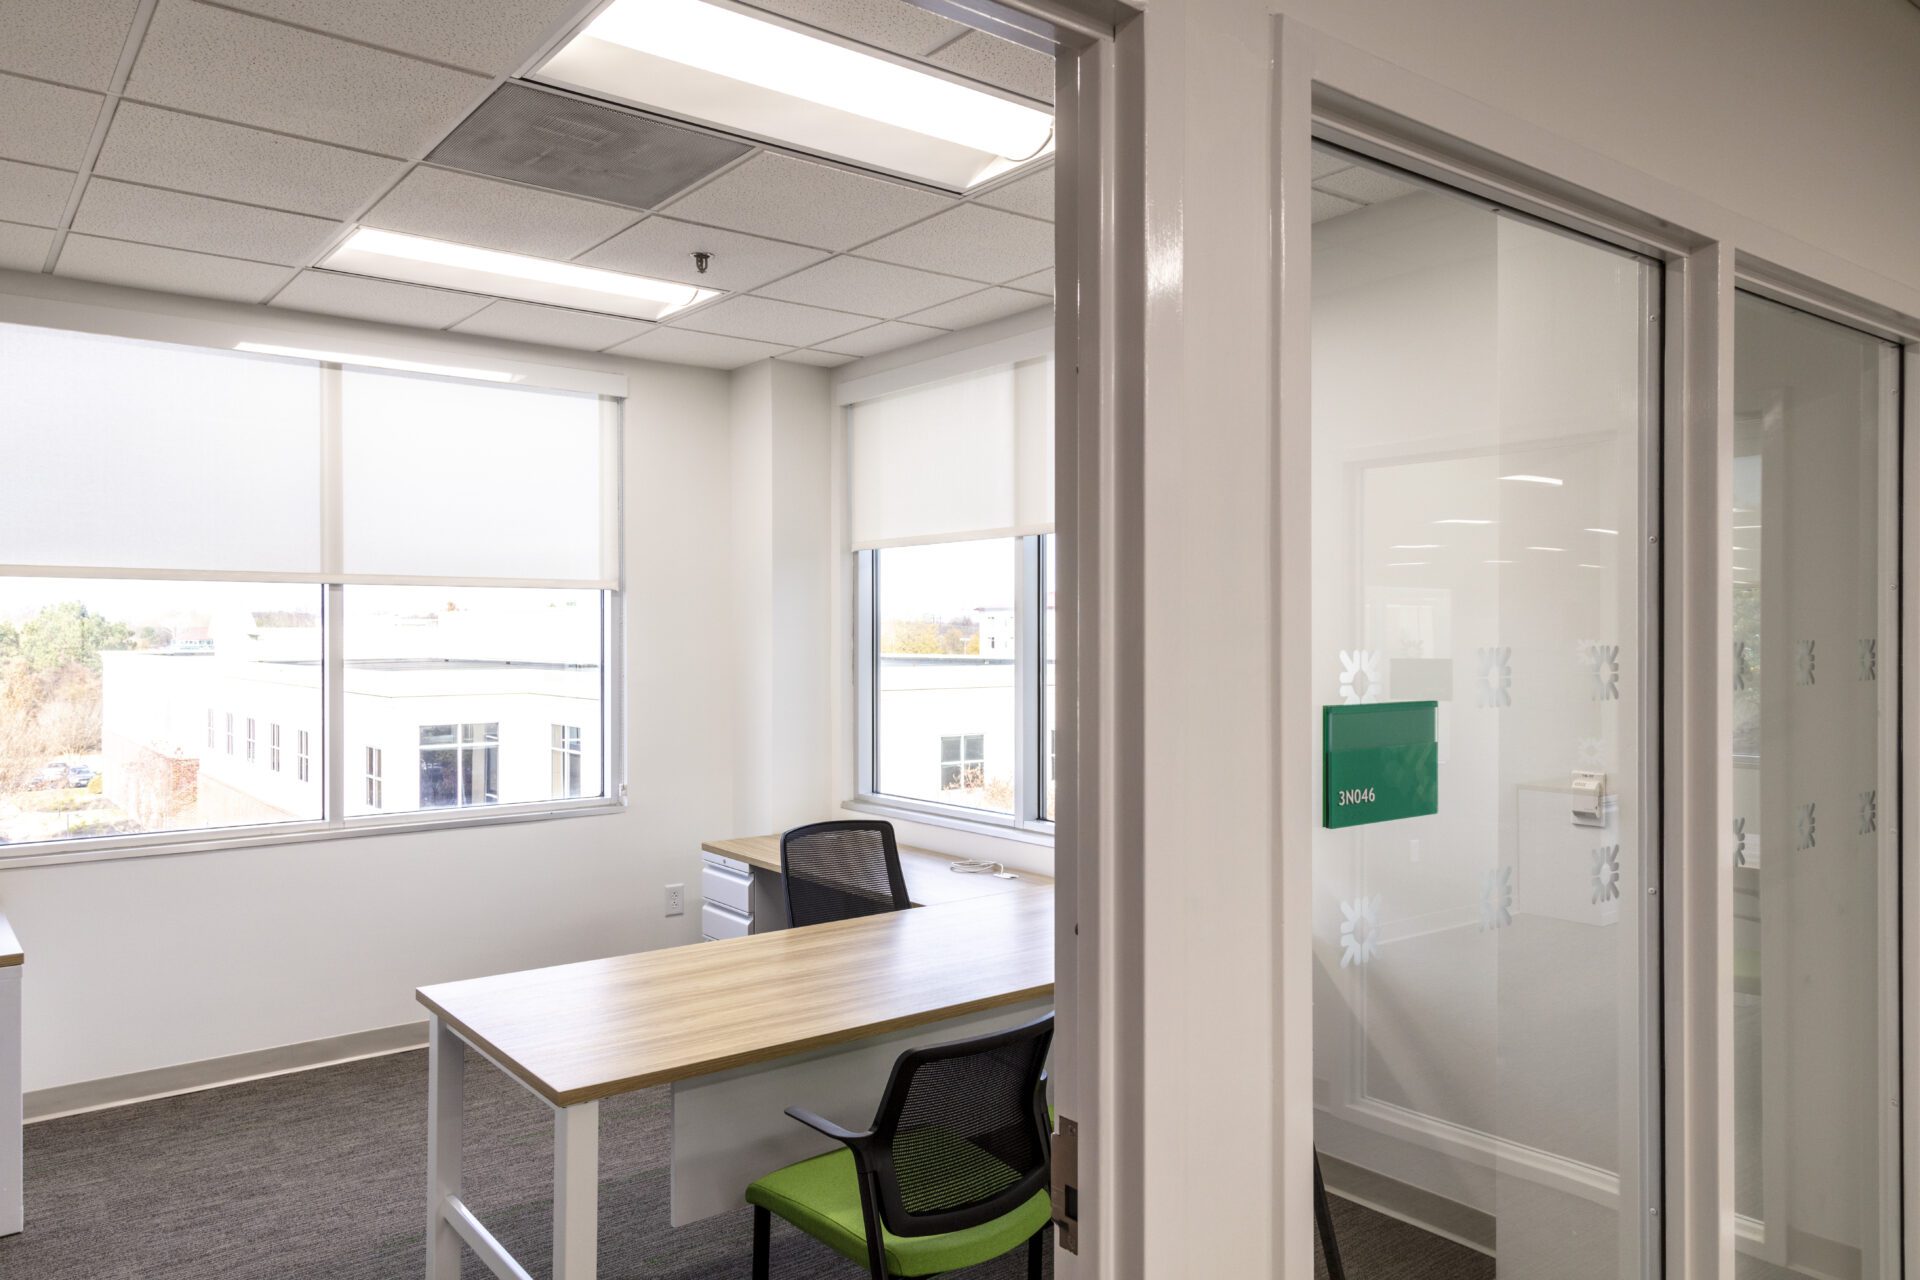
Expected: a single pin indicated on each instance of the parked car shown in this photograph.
(79, 775)
(50, 775)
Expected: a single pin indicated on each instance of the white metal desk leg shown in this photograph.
(576, 1191)
(12, 1206)
(446, 1089)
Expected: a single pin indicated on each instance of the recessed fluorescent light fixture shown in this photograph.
(1611, 533)
(1499, 562)
(1546, 548)
(442, 264)
(1463, 522)
(1746, 526)
(1585, 565)
(1552, 480)
(745, 74)
(1414, 546)
(376, 362)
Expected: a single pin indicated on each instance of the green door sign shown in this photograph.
(1380, 763)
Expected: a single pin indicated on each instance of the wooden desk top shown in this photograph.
(931, 880)
(10, 952)
(577, 1032)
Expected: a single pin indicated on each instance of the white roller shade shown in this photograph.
(453, 480)
(970, 457)
(144, 456)
(127, 458)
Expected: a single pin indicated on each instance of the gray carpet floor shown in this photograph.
(323, 1174)
(1376, 1247)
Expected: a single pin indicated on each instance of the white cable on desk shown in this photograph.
(980, 867)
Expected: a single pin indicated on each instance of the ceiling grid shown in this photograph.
(199, 180)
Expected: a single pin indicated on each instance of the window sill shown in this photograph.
(161, 844)
(1037, 833)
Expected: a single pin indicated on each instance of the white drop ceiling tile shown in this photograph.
(824, 359)
(494, 36)
(814, 204)
(1326, 163)
(45, 123)
(122, 211)
(24, 248)
(678, 346)
(878, 289)
(978, 308)
(236, 67)
(29, 193)
(766, 320)
(1014, 67)
(664, 247)
(893, 25)
(384, 301)
(146, 266)
(882, 337)
(76, 42)
(1038, 282)
(1031, 195)
(232, 162)
(497, 215)
(1326, 205)
(987, 245)
(551, 326)
(1364, 186)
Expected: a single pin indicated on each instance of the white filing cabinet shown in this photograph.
(738, 898)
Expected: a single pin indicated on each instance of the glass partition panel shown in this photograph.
(1814, 836)
(1481, 451)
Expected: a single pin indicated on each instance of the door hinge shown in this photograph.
(1066, 1185)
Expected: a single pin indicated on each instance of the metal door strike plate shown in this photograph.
(1066, 1185)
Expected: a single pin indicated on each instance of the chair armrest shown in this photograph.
(828, 1127)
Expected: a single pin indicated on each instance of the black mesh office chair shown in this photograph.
(954, 1171)
(840, 870)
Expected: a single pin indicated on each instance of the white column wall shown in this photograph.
(782, 592)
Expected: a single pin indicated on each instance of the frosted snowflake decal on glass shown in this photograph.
(1606, 873)
(1804, 834)
(1869, 813)
(1803, 662)
(1742, 666)
(1588, 752)
(1496, 677)
(1603, 664)
(1359, 930)
(1496, 899)
(1739, 842)
(1360, 676)
(1869, 660)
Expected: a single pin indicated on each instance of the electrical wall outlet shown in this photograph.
(676, 899)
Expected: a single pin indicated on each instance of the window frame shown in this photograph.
(1028, 821)
(330, 753)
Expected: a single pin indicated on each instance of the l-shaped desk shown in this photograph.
(740, 1029)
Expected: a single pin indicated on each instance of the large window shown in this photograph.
(228, 528)
(951, 518)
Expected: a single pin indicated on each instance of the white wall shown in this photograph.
(782, 573)
(149, 962)
(1798, 115)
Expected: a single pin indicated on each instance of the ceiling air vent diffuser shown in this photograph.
(564, 144)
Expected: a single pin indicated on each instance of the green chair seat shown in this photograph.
(821, 1196)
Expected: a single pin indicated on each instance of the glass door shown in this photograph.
(1814, 844)
(1484, 392)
